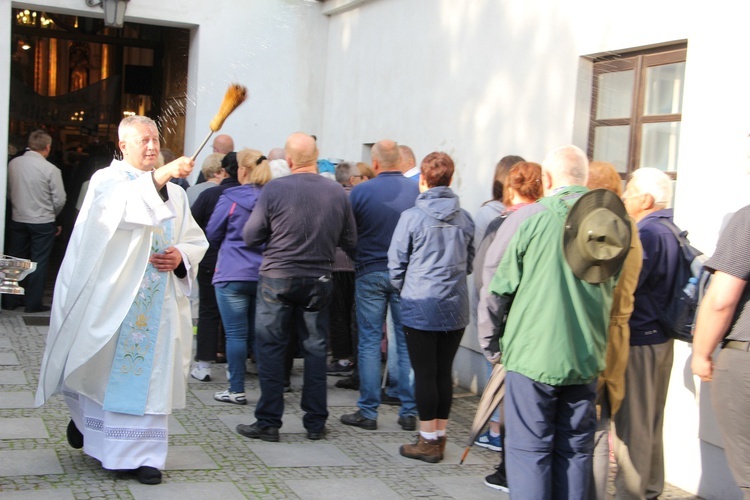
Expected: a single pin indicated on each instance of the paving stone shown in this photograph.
(189, 458)
(311, 454)
(181, 491)
(23, 428)
(343, 398)
(29, 463)
(12, 377)
(341, 489)
(56, 494)
(208, 459)
(8, 359)
(292, 423)
(16, 400)
(175, 427)
(467, 487)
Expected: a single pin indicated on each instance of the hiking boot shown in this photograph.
(441, 443)
(423, 449)
(497, 480)
(358, 420)
(341, 368)
(228, 396)
(349, 382)
(202, 374)
(489, 441)
(408, 423)
(255, 431)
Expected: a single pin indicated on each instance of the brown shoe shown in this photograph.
(424, 449)
(441, 443)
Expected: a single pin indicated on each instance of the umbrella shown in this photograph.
(493, 393)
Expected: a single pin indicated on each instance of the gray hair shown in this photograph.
(279, 168)
(568, 166)
(212, 165)
(345, 171)
(127, 123)
(39, 140)
(654, 182)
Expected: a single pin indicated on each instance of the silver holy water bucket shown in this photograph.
(14, 270)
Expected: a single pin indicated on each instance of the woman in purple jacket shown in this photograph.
(236, 276)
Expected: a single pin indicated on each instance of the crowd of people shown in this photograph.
(286, 262)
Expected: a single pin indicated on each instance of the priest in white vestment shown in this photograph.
(120, 336)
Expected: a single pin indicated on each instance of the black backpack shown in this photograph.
(691, 280)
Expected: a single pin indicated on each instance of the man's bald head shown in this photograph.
(565, 166)
(276, 154)
(301, 152)
(223, 144)
(407, 158)
(386, 156)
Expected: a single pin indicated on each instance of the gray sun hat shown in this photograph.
(597, 234)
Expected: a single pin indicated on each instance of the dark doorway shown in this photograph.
(77, 79)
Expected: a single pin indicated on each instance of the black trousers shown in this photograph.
(431, 355)
(343, 336)
(209, 318)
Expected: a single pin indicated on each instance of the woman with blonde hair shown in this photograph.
(236, 276)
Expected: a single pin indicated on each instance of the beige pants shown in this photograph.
(638, 439)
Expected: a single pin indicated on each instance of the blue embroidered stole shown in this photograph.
(129, 380)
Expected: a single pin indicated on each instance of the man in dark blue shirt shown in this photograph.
(377, 206)
(639, 422)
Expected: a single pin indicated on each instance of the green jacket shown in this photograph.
(556, 332)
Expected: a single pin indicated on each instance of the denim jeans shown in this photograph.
(392, 359)
(286, 305)
(374, 293)
(236, 301)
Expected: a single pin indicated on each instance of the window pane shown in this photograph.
(659, 146)
(611, 144)
(615, 95)
(664, 86)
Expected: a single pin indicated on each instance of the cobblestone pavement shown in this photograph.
(207, 458)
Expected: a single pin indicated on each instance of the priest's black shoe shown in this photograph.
(148, 475)
(75, 438)
(144, 474)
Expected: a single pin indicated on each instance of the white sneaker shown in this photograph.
(202, 374)
(228, 396)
